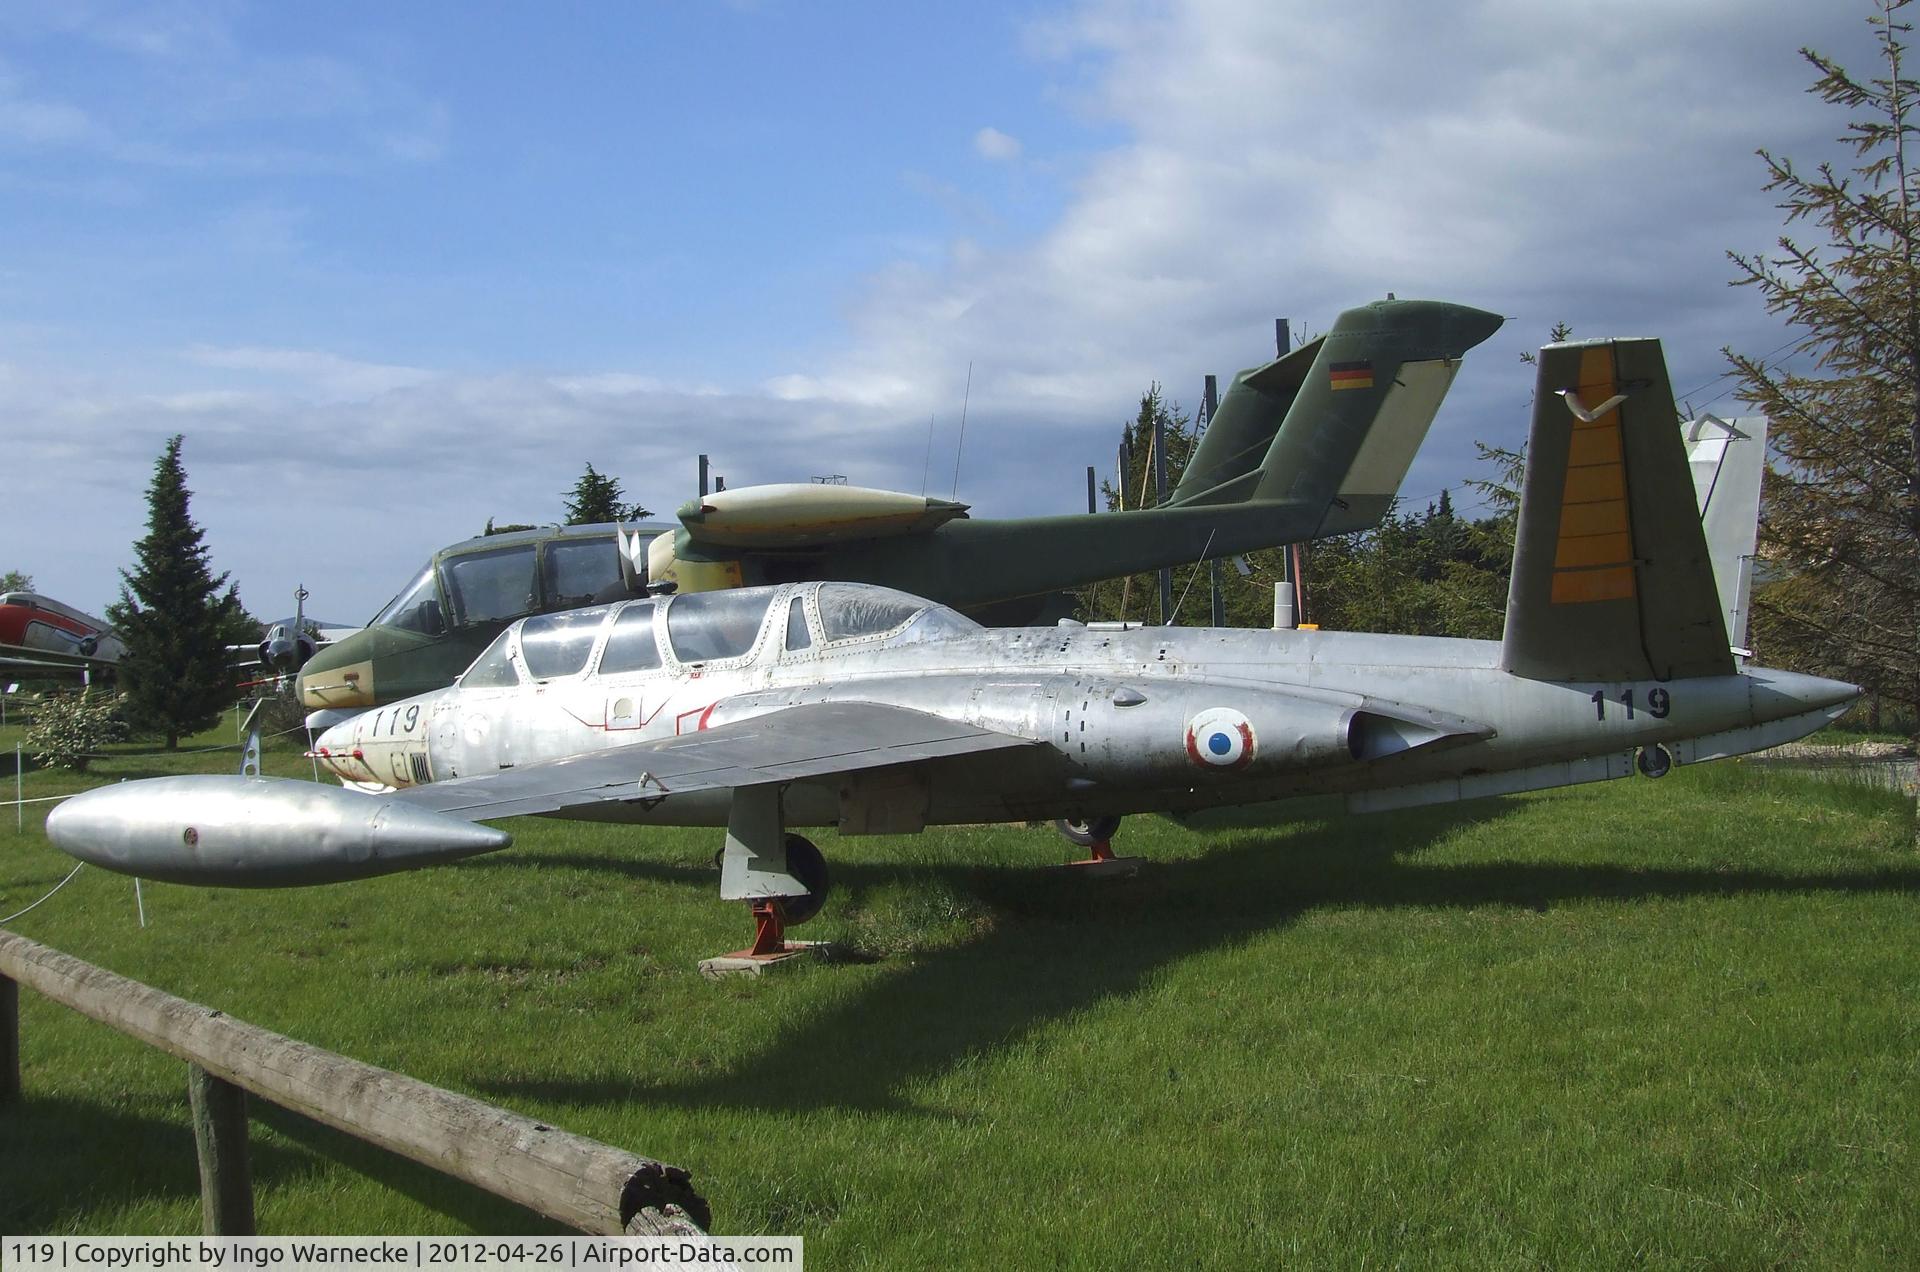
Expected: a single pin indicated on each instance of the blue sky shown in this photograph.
(394, 269)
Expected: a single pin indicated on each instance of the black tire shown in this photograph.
(805, 863)
(1086, 832)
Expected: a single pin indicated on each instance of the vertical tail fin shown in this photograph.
(1335, 423)
(1241, 432)
(1611, 575)
(1728, 459)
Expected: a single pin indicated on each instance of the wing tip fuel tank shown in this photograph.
(242, 832)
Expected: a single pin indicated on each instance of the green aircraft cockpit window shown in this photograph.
(703, 626)
(493, 669)
(490, 587)
(554, 645)
(577, 571)
(416, 609)
(631, 646)
(848, 610)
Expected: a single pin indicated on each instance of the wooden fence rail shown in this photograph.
(582, 1183)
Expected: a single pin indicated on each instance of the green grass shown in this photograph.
(1653, 1023)
(1843, 735)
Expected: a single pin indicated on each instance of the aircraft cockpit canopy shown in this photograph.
(630, 646)
(416, 609)
(482, 582)
(489, 587)
(705, 627)
(493, 669)
(554, 645)
(854, 610)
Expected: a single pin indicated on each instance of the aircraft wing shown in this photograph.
(47, 663)
(812, 740)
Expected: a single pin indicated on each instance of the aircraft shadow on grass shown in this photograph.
(51, 1178)
(466, 1205)
(1063, 943)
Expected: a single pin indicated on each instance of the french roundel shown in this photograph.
(1220, 738)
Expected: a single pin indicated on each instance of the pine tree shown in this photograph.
(15, 581)
(1840, 517)
(1136, 597)
(173, 617)
(596, 498)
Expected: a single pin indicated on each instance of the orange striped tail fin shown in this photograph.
(1612, 579)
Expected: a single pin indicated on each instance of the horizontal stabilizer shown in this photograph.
(1611, 575)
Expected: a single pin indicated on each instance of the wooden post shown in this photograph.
(582, 1183)
(9, 1040)
(220, 1139)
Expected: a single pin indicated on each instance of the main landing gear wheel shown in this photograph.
(806, 864)
(1094, 834)
(782, 878)
(1088, 832)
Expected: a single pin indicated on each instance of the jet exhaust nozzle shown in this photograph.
(257, 832)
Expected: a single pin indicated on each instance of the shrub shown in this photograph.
(69, 728)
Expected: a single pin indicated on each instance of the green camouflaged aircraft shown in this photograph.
(1314, 443)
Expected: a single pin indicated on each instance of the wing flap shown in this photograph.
(813, 740)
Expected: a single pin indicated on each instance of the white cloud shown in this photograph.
(185, 83)
(311, 372)
(424, 139)
(44, 123)
(1586, 162)
(350, 473)
(991, 143)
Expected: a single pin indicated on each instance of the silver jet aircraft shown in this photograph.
(877, 712)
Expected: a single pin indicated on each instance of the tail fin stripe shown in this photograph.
(1593, 554)
(1579, 586)
(1612, 578)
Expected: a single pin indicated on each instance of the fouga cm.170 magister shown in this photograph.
(860, 707)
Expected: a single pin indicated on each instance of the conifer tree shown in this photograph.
(1136, 596)
(596, 498)
(1840, 517)
(173, 617)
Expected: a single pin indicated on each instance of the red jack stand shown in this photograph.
(1101, 862)
(769, 947)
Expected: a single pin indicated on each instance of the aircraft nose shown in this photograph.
(335, 737)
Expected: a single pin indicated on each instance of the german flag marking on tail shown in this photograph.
(1593, 556)
(1350, 375)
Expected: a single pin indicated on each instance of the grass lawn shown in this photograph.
(1661, 1023)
